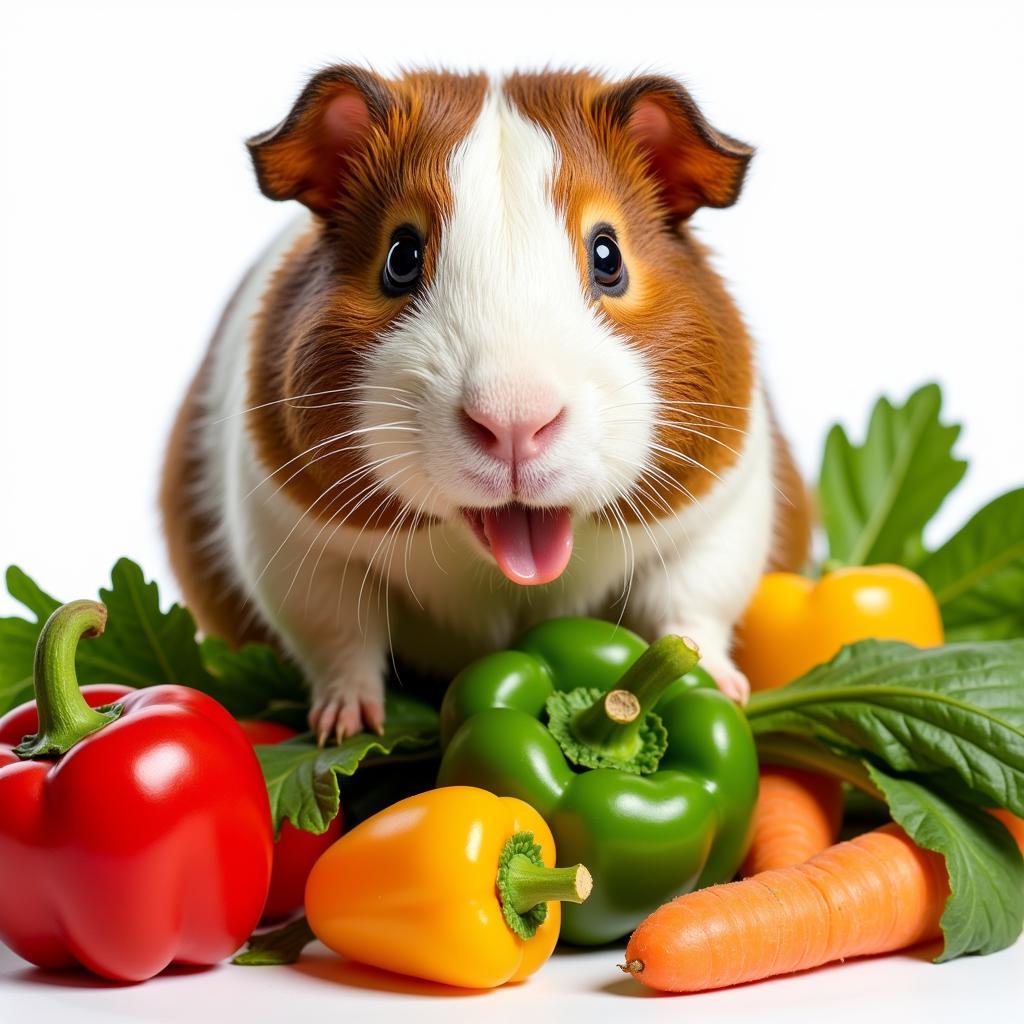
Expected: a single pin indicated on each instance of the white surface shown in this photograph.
(573, 987)
(877, 244)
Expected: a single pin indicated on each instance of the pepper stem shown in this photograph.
(614, 721)
(525, 884)
(530, 883)
(64, 715)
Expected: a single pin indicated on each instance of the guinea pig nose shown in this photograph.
(512, 440)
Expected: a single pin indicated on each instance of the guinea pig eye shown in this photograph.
(606, 259)
(404, 263)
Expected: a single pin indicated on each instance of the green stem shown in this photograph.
(64, 715)
(778, 748)
(529, 884)
(613, 722)
(525, 885)
(280, 946)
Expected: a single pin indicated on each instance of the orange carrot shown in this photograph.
(1014, 825)
(873, 894)
(798, 815)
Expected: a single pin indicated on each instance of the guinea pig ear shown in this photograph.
(308, 155)
(694, 164)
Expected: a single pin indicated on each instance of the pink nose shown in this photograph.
(512, 441)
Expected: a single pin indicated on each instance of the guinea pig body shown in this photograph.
(488, 379)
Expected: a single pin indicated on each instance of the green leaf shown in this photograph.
(877, 498)
(255, 682)
(25, 589)
(18, 639)
(302, 778)
(940, 735)
(977, 576)
(17, 649)
(940, 814)
(986, 872)
(278, 947)
(142, 645)
(953, 711)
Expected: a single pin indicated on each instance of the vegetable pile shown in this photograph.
(875, 894)
(889, 679)
(644, 770)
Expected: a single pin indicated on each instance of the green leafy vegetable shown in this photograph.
(255, 682)
(937, 733)
(302, 778)
(977, 576)
(275, 948)
(144, 645)
(985, 867)
(958, 708)
(24, 589)
(876, 498)
(18, 639)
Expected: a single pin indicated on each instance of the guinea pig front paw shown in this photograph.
(731, 681)
(346, 706)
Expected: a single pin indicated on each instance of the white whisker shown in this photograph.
(371, 468)
(398, 424)
(664, 479)
(408, 541)
(658, 421)
(354, 475)
(430, 545)
(709, 437)
(311, 394)
(643, 523)
(352, 549)
(369, 565)
(326, 455)
(353, 402)
(689, 460)
(624, 532)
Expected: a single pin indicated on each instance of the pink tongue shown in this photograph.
(530, 545)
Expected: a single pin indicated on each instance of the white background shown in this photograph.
(878, 242)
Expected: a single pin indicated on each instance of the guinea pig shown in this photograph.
(487, 378)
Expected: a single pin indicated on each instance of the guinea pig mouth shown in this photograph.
(530, 545)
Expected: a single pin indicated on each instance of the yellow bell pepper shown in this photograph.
(454, 885)
(794, 623)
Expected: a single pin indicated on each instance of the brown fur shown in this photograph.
(676, 306)
(325, 306)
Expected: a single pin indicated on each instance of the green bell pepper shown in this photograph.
(644, 770)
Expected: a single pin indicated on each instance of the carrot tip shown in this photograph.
(633, 967)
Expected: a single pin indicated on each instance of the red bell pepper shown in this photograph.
(23, 720)
(296, 851)
(136, 834)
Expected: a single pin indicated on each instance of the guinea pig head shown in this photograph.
(500, 316)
